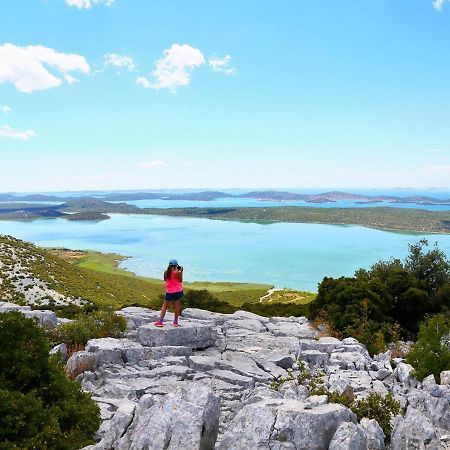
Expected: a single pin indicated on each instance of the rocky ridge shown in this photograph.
(230, 382)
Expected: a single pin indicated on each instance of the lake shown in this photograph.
(284, 254)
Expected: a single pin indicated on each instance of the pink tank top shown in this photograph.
(173, 285)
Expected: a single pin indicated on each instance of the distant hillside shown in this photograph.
(267, 195)
(87, 216)
(56, 277)
(383, 218)
(31, 275)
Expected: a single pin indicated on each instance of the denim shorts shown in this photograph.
(174, 296)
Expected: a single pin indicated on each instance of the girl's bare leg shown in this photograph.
(163, 311)
(177, 310)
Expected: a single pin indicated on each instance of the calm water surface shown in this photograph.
(285, 255)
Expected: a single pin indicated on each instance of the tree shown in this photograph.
(40, 407)
(430, 355)
(431, 267)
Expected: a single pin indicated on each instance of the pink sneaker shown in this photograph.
(175, 324)
(158, 323)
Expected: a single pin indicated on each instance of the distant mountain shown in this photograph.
(21, 214)
(273, 195)
(199, 196)
(96, 205)
(94, 201)
(91, 216)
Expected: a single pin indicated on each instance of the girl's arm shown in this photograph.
(179, 275)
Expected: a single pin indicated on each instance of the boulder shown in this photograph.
(347, 360)
(314, 357)
(116, 426)
(374, 434)
(414, 431)
(349, 436)
(137, 316)
(403, 373)
(80, 362)
(201, 314)
(194, 335)
(45, 318)
(61, 351)
(188, 418)
(115, 351)
(435, 409)
(445, 377)
(246, 324)
(292, 424)
(7, 306)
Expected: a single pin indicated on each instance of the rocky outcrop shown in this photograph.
(238, 381)
(45, 318)
(237, 376)
(291, 423)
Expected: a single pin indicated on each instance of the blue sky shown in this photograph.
(105, 94)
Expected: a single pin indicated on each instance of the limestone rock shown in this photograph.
(445, 377)
(194, 335)
(80, 362)
(349, 436)
(187, 419)
(374, 434)
(414, 431)
(115, 351)
(45, 318)
(275, 423)
(61, 350)
(403, 373)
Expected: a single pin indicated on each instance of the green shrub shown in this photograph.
(382, 409)
(203, 299)
(389, 292)
(39, 407)
(428, 355)
(374, 406)
(99, 324)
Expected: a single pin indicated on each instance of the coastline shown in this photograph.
(109, 263)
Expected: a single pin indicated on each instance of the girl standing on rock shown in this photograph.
(173, 276)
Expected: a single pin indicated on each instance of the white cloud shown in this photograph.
(8, 132)
(87, 4)
(155, 164)
(28, 68)
(438, 4)
(144, 82)
(5, 109)
(119, 61)
(174, 69)
(434, 150)
(222, 64)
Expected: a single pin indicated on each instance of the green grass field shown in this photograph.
(96, 278)
(233, 293)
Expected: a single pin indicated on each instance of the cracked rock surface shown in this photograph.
(209, 385)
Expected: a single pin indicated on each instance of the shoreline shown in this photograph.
(110, 263)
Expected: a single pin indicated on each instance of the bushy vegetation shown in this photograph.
(369, 305)
(99, 324)
(374, 406)
(39, 407)
(203, 299)
(431, 354)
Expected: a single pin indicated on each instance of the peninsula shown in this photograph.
(378, 217)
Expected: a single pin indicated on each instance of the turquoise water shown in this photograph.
(285, 254)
